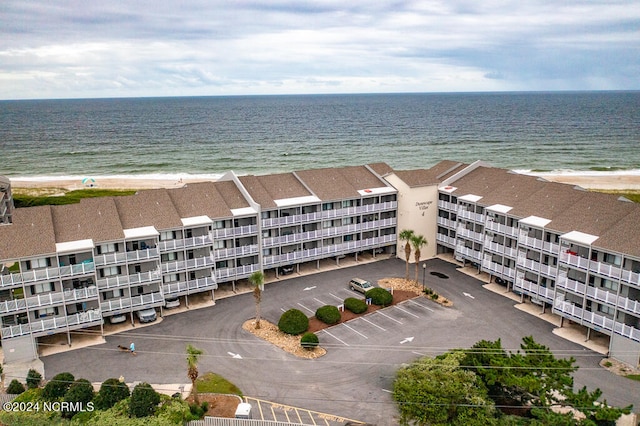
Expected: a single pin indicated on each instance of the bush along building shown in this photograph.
(573, 252)
(74, 266)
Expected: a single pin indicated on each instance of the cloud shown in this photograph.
(197, 47)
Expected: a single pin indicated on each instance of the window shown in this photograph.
(38, 263)
(46, 312)
(169, 256)
(606, 309)
(167, 235)
(110, 271)
(42, 288)
(327, 206)
(612, 259)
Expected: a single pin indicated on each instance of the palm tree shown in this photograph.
(193, 354)
(257, 280)
(406, 235)
(417, 241)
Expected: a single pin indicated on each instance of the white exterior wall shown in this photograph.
(418, 211)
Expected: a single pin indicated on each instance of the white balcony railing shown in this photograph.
(220, 234)
(125, 280)
(185, 243)
(45, 326)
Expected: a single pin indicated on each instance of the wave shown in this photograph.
(600, 171)
(151, 176)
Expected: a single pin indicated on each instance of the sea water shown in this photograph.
(568, 132)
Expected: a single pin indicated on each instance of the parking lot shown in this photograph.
(355, 378)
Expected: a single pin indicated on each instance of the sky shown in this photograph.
(132, 48)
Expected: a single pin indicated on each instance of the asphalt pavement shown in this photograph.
(354, 379)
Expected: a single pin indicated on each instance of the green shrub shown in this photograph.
(111, 391)
(196, 410)
(33, 379)
(58, 386)
(434, 296)
(144, 401)
(80, 393)
(379, 296)
(293, 322)
(328, 314)
(357, 306)
(309, 340)
(15, 387)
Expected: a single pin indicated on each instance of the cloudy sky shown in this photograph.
(122, 48)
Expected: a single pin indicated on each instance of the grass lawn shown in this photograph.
(214, 383)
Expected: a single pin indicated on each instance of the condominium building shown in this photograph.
(73, 267)
(571, 251)
(564, 248)
(6, 202)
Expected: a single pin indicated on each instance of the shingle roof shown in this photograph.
(267, 188)
(340, 183)
(151, 207)
(432, 176)
(92, 218)
(31, 234)
(622, 237)
(200, 199)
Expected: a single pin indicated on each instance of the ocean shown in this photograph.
(561, 132)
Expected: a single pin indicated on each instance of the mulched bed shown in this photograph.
(316, 325)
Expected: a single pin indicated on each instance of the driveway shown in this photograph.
(355, 378)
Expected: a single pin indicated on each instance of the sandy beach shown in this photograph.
(621, 182)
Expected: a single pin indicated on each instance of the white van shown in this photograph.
(243, 411)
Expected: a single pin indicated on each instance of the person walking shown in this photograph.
(132, 348)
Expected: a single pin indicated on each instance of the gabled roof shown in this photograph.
(622, 237)
(266, 189)
(200, 199)
(151, 207)
(93, 218)
(31, 234)
(340, 183)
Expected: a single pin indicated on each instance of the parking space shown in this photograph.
(266, 410)
(387, 321)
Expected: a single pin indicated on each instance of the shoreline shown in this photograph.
(601, 182)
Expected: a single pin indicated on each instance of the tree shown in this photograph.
(57, 386)
(600, 413)
(15, 387)
(79, 395)
(144, 401)
(257, 280)
(111, 391)
(417, 241)
(436, 391)
(33, 379)
(193, 354)
(520, 379)
(406, 235)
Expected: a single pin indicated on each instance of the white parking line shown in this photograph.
(320, 301)
(306, 308)
(420, 304)
(373, 324)
(344, 343)
(406, 312)
(385, 315)
(355, 331)
(336, 297)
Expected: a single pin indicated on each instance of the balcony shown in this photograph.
(127, 280)
(53, 298)
(498, 269)
(552, 248)
(446, 222)
(47, 274)
(234, 252)
(525, 240)
(186, 243)
(447, 205)
(445, 239)
(47, 326)
(533, 289)
(606, 269)
(131, 303)
(571, 285)
(475, 217)
(192, 286)
(224, 274)
(574, 260)
(469, 253)
(134, 256)
(501, 228)
(631, 277)
(466, 233)
(591, 319)
(220, 234)
(328, 251)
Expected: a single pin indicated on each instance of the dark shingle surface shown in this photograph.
(31, 234)
(151, 207)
